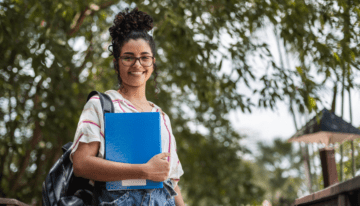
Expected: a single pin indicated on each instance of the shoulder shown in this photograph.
(158, 109)
(92, 108)
(95, 100)
(114, 95)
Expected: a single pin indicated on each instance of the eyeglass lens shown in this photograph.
(144, 61)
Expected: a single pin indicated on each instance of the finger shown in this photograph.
(164, 158)
(164, 154)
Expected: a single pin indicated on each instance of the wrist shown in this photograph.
(144, 171)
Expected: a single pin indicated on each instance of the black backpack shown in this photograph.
(61, 186)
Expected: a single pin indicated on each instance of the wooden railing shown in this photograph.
(345, 193)
(9, 201)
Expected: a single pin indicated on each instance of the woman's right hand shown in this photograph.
(158, 167)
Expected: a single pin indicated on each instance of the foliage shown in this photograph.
(42, 84)
(317, 179)
(324, 36)
(348, 161)
(282, 165)
(44, 81)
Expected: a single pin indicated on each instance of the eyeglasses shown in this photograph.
(145, 61)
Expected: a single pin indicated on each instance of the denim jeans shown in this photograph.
(141, 197)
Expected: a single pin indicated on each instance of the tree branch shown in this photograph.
(37, 136)
(89, 11)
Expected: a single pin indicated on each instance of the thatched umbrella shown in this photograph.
(326, 128)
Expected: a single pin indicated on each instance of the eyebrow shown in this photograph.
(134, 54)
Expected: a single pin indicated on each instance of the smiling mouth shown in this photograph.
(137, 73)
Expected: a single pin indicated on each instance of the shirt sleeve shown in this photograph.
(176, 168)
(91, 126)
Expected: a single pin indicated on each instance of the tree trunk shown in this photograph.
(307, 167)
(352, 141)
(333, 104)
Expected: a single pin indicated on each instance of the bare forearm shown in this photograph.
(178, 199)
(99, 169)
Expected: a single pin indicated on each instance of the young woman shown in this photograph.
(134, 51)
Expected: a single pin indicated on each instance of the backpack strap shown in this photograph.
(106, 104)
(107, 107)
(61, 186)
(66, 146)
(105, 101)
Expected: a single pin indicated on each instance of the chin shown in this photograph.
(135, 84)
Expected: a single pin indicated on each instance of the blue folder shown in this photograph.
(132, 138)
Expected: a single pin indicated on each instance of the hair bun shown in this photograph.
(126, 21)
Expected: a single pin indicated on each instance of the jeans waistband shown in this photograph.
(168, 184)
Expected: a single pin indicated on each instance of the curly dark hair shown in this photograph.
(131, 25)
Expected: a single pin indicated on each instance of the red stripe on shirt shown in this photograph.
(81, 136)
(169, 136)
(78, 140)
(90, 122)
(131, 106)
(118, 100)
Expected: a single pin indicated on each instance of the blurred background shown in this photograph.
(237, 79)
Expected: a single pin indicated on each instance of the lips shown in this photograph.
(137, 73)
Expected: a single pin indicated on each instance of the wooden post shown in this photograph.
(328, 164)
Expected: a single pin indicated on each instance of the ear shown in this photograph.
(154, 60)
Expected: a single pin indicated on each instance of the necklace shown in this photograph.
(142, 110)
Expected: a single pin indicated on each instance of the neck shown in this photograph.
(133, 94)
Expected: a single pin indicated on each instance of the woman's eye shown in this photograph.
(128, 58)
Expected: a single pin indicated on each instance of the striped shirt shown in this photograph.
(91, 129)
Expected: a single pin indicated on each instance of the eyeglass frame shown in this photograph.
(136, 59)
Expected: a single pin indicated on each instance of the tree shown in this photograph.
(324, 36)
(281, 163)
(42, 84)
(45, 80)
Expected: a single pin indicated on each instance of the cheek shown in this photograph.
(122, 72)
(150, 72)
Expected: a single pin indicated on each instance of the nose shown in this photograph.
(137, 64)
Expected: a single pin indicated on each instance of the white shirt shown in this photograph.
(91, 129)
